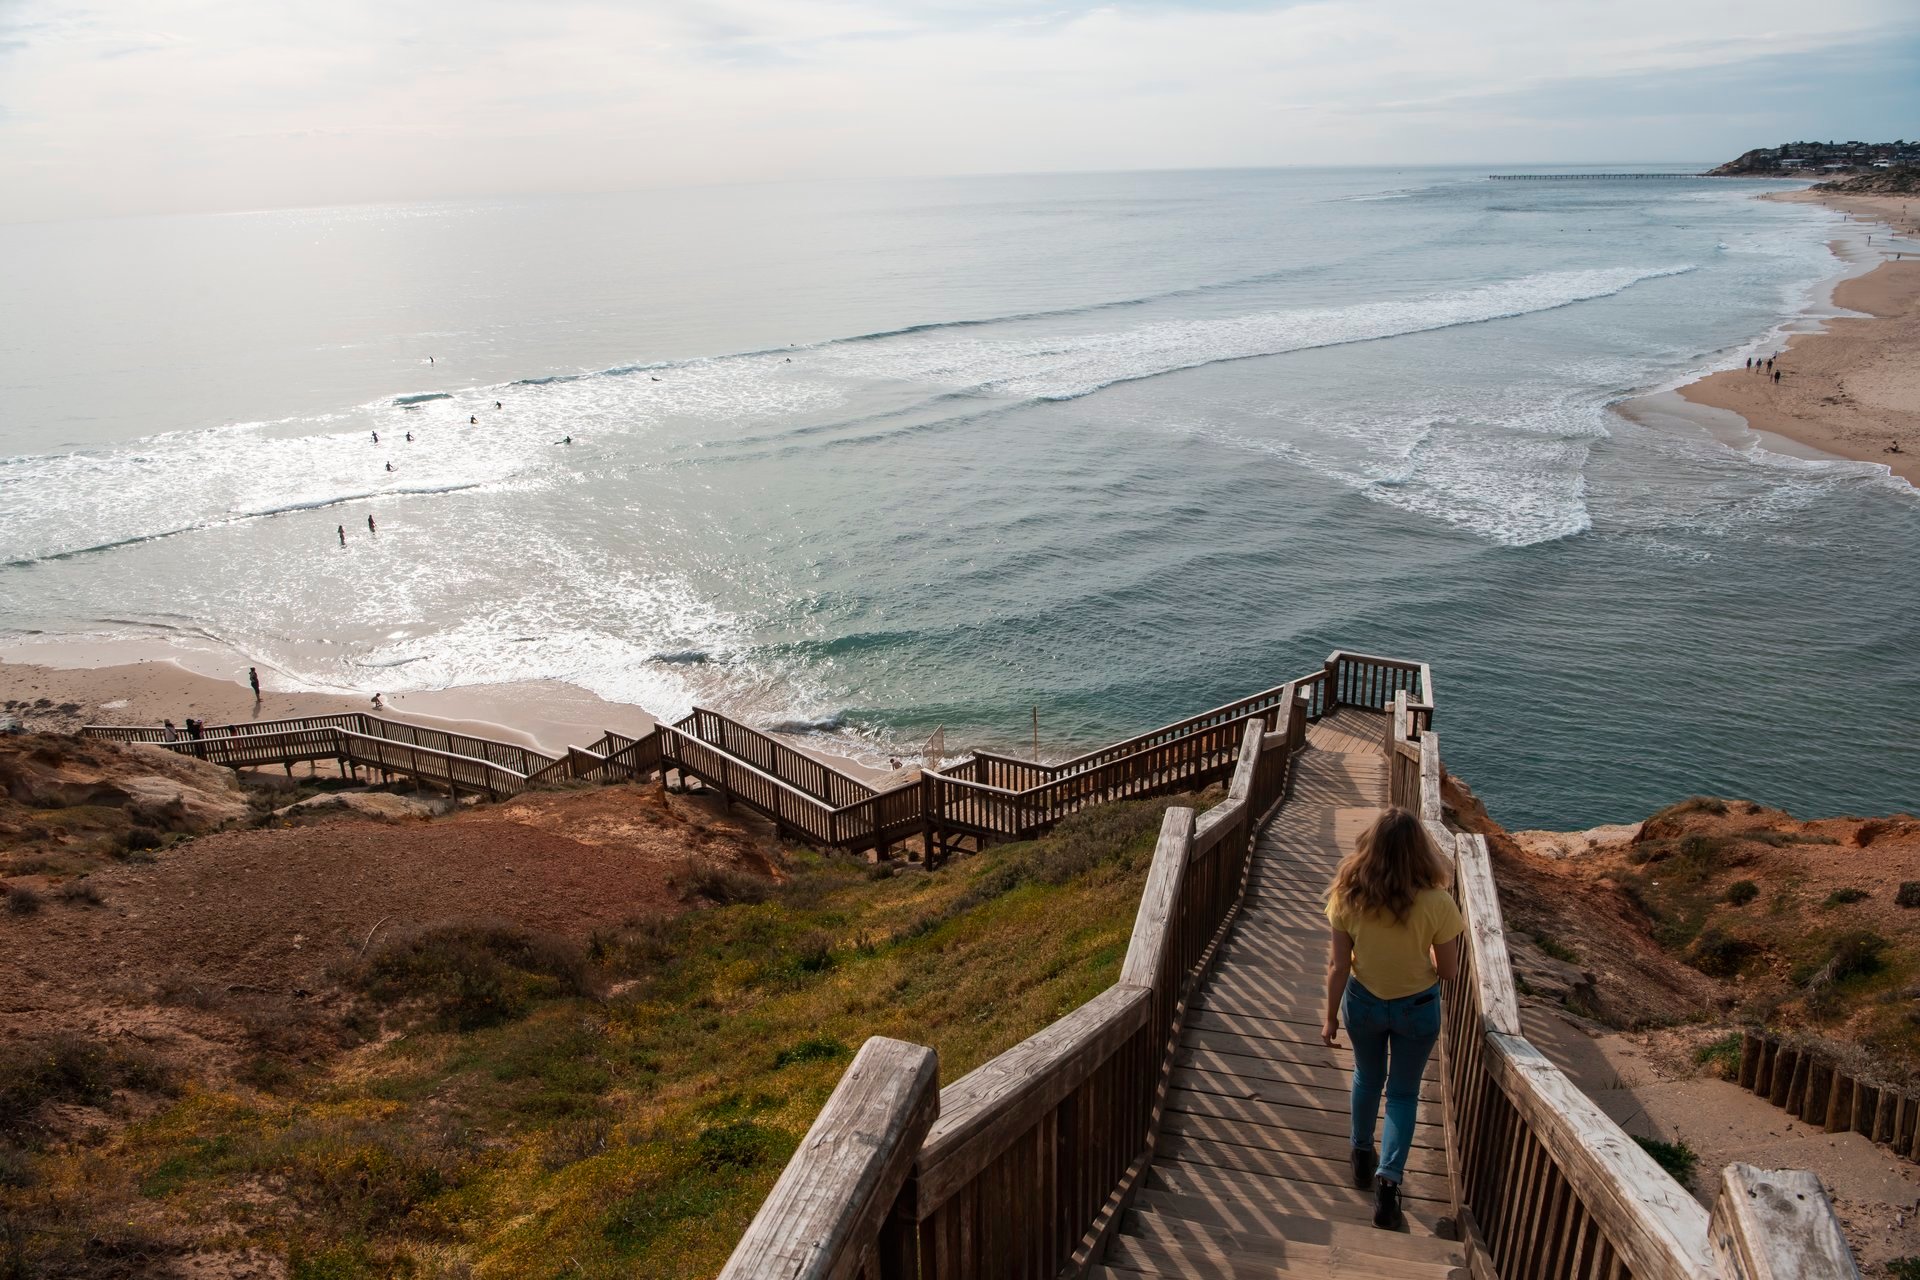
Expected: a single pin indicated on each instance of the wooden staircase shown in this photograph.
(1250, 1175)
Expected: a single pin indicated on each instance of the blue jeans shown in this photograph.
(1392, 1040)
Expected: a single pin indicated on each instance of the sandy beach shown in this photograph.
(548, 715)
(1852, 391)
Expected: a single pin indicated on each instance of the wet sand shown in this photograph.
(1852, 391)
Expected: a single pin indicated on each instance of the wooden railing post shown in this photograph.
(1330, 687)
(824, 1217)
(1776, 1224)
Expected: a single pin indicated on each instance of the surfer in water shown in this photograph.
(474, 421)
(342, 531)
(568, 440)
(376, 437)
(389, 466)
(371, 526)
(496, 404)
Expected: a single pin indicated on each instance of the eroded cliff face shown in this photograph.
(1716, 908)
(60, 793)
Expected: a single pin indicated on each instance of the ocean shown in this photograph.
(861, 460)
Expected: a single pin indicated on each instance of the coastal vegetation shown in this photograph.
(507, 1100)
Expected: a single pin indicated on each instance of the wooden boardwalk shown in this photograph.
(1250, 1174)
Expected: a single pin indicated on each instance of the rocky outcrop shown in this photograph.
(155, 787)
(383, 806)
(1882, 182)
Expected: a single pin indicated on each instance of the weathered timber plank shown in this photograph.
(1304, 1198)
(985, 1110)
(1492, 970)
(1308, 1075)
(1258, 1222)
(1158, 900)
(1251, 1114)
(829, 1202)
(1205, 1243)
(1658, 1230)
(1776, 1224)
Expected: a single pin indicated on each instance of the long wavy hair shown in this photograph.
(1391, 862)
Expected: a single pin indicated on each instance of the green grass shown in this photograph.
(1677, 1158)
(529, 1124)
(1907, 1268)
(1722, 1056)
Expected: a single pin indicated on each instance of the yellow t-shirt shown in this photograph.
(1389, 956)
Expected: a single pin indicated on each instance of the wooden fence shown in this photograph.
(1816, 1087)
(1020, 1167)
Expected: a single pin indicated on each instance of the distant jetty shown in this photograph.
(1583, 177)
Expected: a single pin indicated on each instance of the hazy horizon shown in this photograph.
(222, 107)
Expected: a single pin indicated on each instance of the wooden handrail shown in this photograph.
(1521, 1136)
(822, 1219)
(1057, 1129)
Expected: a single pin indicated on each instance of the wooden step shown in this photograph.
(1206, 1246)
(1261, 1222)
(1249, 1113)
(1308, 1199)
(1264, 1146)
(1256, 1071)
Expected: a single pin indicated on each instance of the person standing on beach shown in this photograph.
(1395, 936)
(253, 678)
(172, 734)
(1749, 365)
(1776, 376)
(342, 531)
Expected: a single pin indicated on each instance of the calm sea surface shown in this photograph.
(861, 460)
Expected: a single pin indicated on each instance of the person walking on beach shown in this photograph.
(342, 531)
(1749, 364)
(253, 678)
(1395, 938)
(1776, 376)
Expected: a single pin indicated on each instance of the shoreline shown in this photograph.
(106, 685)
(1849, 390)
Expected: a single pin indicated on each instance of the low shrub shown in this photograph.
(1677, 1158)
(1718, 953)
(475, 974)
(1845, 895)
(70, 1068)
(722, 885)
(1906, 1268)
(80, 891)
(1721, 1057)
(1741, 892)
(23, 900)
(1556, 948)
(1909, 894)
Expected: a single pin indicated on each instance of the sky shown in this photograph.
(161, 106)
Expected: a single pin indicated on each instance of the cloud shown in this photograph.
(224, 104)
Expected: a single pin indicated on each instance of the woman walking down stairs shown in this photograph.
(1252, 1176)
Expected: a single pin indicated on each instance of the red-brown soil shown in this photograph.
(231, 932)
